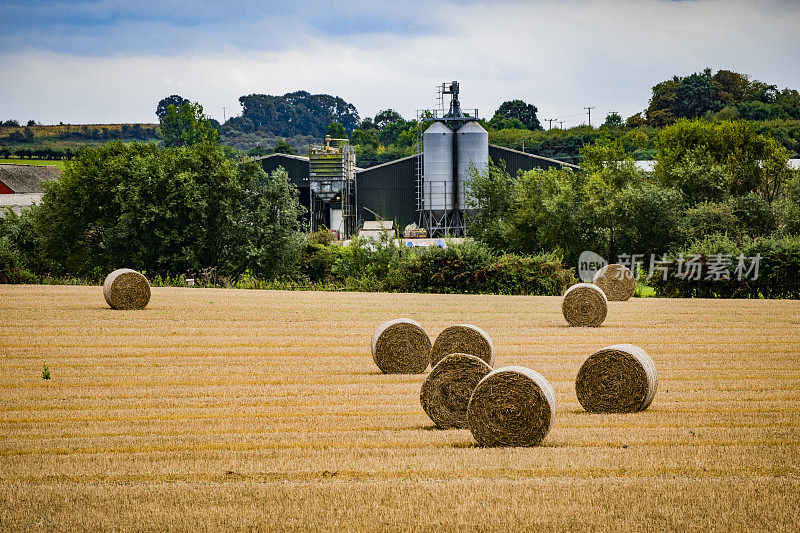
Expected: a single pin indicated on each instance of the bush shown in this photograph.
(711, 218)
(755, 215)
(777, 277)
(442, 270)
(365, 258)
(512, 274)
(469, 268)
(12, 267)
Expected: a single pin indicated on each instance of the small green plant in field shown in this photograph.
(45, 372)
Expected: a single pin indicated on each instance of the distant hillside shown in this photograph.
(62, 140)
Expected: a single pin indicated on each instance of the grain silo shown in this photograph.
(447, 159)
(473, 155)
(437, 184)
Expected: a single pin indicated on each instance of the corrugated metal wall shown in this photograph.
(389, 190)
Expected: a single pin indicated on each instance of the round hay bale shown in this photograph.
(617, 379)
(616, 281)
(511, 406)
(462, 338)
(401, 346)
(126, 289)
(584, 304)
(446, 390)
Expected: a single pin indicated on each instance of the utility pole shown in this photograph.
(589, 109)
(561, 124)
(551, 120)
(224, 120)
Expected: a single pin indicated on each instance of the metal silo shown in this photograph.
(473, 149)
(437, 180)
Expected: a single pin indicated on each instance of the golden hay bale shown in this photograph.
(617, 379)
(446, 390)
(462, 338)
(401, 346)
(126, 289)
(584, 304)
(616, 281)
(511, 406)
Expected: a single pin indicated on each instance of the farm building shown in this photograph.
(390, 190)
(20, 185)
(428, 188)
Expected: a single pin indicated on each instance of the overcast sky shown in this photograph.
(110, 61)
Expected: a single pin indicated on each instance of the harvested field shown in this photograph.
(219, 409)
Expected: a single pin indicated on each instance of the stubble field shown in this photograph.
(230, 409)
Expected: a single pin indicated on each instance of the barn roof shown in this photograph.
(547, 161)
(279, 155)
(18, 202)
(25, 179)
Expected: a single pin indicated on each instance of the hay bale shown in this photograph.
(617, 379)
(584, 304)
(446, 390)
(126, 289)
(401, 346)
(462, 338)
(511, 406)
(616, 281)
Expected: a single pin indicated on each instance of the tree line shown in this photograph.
(187, 205)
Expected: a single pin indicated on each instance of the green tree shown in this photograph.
(257, 151)
(272, 238)
(162, 210)
(663, 103)
(695, 95)
(297, 113)
(609, 171)
(283, 147)
(187, 126)
(635, 121)
(365, 137)
(613, 120)
(385, 117)
(501, 122)
(522, 111)
(736, 156)
(730, 87)
(787, 208)
(489, 196)
(399, 133)
(650, 219)
(164, 103)
(336, 131)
